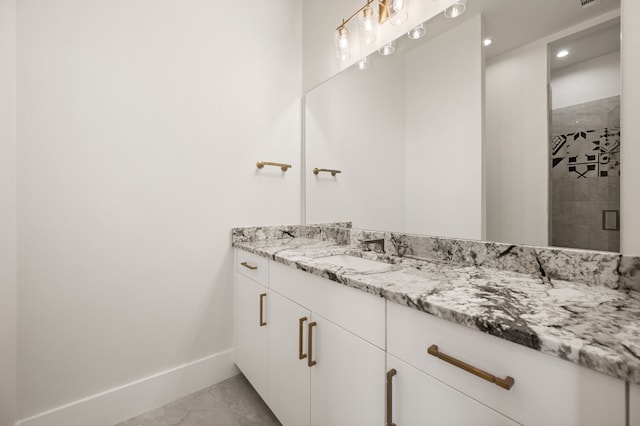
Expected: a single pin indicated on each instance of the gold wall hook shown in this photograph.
(332, 171)
(283, 167)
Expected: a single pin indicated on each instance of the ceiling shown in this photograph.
(514, 23)
(588, 44)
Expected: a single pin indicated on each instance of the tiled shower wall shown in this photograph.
(585, 175)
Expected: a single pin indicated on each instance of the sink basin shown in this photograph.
(354, 262)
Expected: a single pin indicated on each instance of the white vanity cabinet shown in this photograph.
(546, 390)
(323, 359)
(319, 353)
(342, 350)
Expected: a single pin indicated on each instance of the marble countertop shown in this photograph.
(593, 326)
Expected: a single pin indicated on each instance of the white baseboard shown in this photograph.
(127, 401)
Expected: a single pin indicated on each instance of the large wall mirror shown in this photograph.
(513, 141)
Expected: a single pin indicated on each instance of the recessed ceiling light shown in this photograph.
(562, 54)
(487, 41)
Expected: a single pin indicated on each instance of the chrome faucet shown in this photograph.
(379, 242)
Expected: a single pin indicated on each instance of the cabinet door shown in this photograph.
(251, 332)
(288, 372)
(547, 390)
(419, 399)
(348, 379)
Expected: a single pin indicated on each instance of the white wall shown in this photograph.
(517, 145)
(629, 112)
(7, 212)
(346, 129)
(321, 18)
(139, 127)
(587, 81)
(444, 88)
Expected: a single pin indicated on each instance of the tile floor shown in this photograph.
(229, 403)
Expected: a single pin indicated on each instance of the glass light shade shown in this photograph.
(367, 25)
(363, 63)
(417, 32)
(398, 5)
(456, 9)
(399, 13)
(342, 43)
(388, 49)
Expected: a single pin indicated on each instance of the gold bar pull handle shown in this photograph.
(246, 265)
(505, 383)
(390, 375)
(301, 355)
(283, 167)
(262, 297)
(332, 171)
(310, 361)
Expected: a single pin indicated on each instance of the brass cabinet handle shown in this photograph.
(246, 265)
(300, 327)
(310, 361)
(505, 383)
(283, 167)
(390, 375)
(332, 171)
(262, 296)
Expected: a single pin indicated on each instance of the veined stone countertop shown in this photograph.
(593, 326)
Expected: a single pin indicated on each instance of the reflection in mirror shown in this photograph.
(585, 150)
(449, 137)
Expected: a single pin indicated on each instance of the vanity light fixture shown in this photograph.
(388, 48)
(562, 53)
(487, 42)
(456, 9)
(417, 32)
(363, 63)
(394, 11)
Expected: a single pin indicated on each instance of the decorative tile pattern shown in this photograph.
(585, 169)
(586, 154)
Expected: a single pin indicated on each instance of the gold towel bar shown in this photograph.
(283, 167)
(332, 171)
(505, 383)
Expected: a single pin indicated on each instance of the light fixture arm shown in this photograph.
(384, 12)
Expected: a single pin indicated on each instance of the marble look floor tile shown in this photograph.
(232, 402)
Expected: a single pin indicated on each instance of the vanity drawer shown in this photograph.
(546, 390)
(361, 313)
(253, 266)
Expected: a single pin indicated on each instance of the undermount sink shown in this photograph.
(354, 262)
